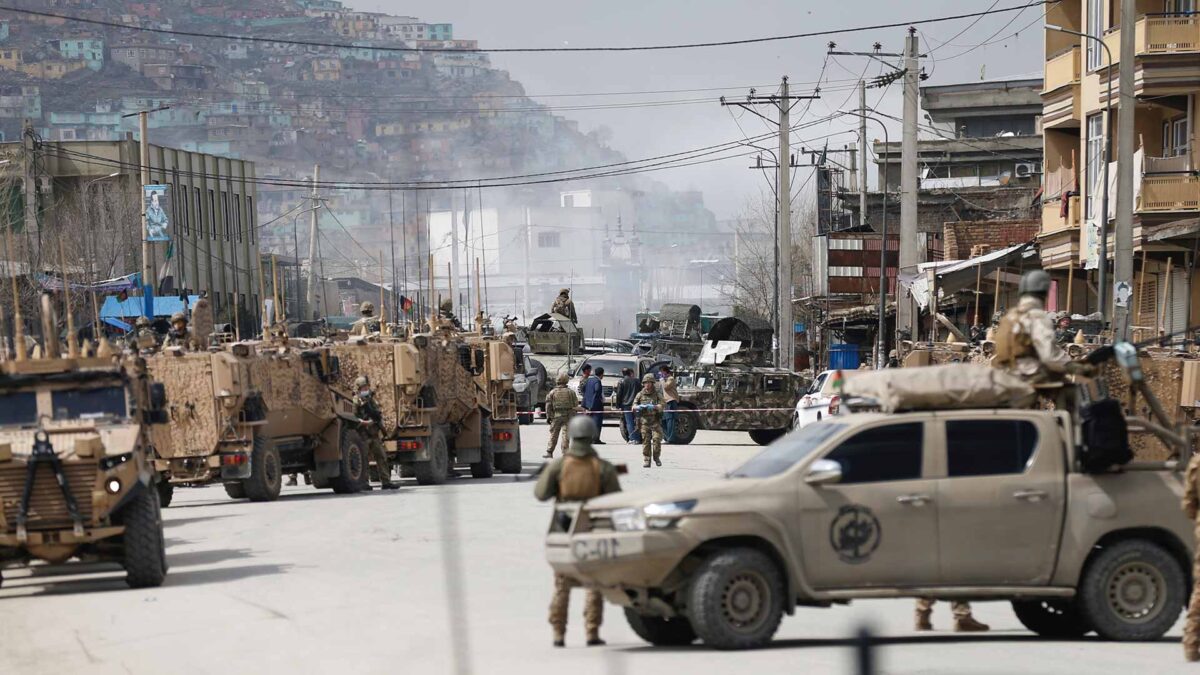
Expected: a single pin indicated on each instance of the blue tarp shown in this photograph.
(117, 323)
(843, 357)
(163, 306)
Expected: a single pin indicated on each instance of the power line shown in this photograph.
(497, 50)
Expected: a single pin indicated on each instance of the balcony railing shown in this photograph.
(1062, 70)
(1159, 34)
(1170, 192)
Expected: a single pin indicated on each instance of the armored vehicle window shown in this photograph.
(771, 383)
(784, 453)
(17, 408)
(88, 403)
(989, 447)
(891, 452)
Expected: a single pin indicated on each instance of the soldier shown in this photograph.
(578, 475)
(446, 312)
(142, 337)
(367, 322)
(561, 403)
(963, 621)
(649, 405)
(178, 336)
(371, 427)
(1191, 507)
(564, 305)
(1024, 338)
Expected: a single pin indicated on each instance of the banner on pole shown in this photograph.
(157, 203)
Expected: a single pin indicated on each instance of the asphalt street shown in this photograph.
(449, 579)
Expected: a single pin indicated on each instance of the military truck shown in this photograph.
(552, 334)
(447, 398)
(253, 411)
(734, 380)
(76, 480)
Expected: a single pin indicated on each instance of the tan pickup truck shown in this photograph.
(970, 504)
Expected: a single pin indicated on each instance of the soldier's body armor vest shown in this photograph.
(1012, 342)
(559, 402)
(579, 478)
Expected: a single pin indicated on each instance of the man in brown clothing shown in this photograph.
(670, 390)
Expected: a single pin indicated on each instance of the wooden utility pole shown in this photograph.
(313, 299)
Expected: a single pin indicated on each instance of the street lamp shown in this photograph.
(1102, 272)
(880, 342)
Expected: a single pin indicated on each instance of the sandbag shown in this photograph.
(945, 387)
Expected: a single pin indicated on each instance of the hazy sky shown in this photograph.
(644, 132)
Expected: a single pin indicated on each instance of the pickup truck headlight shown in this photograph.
(659, 516)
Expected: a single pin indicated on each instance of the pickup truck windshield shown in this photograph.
(73, 404)
(18, 408)
(784, 453)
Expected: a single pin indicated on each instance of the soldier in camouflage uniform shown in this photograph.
(367, 323)
(561, 404)
(371, 426)
(578, 475)
(648, 406)
(565, 306)
(1191, 507)
(963, 621)
(1025, 341)
(142, 337)
(178, 335)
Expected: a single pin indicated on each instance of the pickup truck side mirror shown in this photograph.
(823, 472)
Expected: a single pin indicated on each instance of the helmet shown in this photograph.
(648, 379)
(447, 306)
(178, 316)
(581, 427)
(564, 291)
(367, 308)
(361, 382)
(893, 355)
(142, 322)
(563, 379)
(1036, 282)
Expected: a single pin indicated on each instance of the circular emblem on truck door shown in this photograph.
(854, 533)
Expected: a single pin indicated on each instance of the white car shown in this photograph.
(820, 401)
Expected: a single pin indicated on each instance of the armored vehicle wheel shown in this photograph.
(165, 492)
(510, 462)
(266, 472)
(437, 469)
(1051, 618)
(766, 436)
(686, 426)
(144, 556)
(353, 474)
(1132, 590)
(736, 599)
(659, 631)
(623, 428)
(485, 467)
(235, 490)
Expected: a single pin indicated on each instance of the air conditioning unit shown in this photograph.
(1028, 169)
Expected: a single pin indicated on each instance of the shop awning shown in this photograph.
(956, 275)
(163, 306)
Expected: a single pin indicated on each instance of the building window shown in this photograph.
(1175, 137)
(212, 214)
(250, 217)
(1095, 162)
(199, 214)
(237, 218)
(1095, 28)
(548, 240)
(225, 211)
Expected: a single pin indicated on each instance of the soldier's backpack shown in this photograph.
(1105, 435)
(1012, 342)
(579, 478)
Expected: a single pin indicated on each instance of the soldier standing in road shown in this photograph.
(367, 323)
(671, 396)
(564, 305)
(1191, 507)
(371, 427)
(561, 403)
(649, 404)
(1025, 343)
(577, 476)
(964, 622)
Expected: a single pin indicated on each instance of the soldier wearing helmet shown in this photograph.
(142, 337)
(367, 322)
(371, 427)
(561, 404)
(1024, 338)
(178, 335)
(577, 476)
(564, 305)
(648, 405)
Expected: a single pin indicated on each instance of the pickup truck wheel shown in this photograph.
(165, 492)
(1051, 618)
(736, 599)
(266, 472)
(1132, 591)
(661, 632)
(353, 474)
(436, 470)
(766, 436)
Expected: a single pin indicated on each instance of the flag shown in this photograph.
(406, 303)
(839, 381)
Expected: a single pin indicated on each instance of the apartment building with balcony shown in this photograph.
(1166, 171)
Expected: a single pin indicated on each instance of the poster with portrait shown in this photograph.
(157, 203)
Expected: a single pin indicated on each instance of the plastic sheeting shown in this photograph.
(946, 387)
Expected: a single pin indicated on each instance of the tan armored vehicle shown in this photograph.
(76, 481)
(254, 411)
(447, 398)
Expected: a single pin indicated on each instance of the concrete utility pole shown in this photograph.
(525, 271)
(787, 345)
(313, 280)
(862, 152)
(453, 285)
(1127, 104)
(147, 248)
(909, 253)
(30, 185)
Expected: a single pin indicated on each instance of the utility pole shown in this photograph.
(453, 285)
(1123, 244)
(909, 253)
(862, 152)
(30, 186)
(147, 250)
(525, 271)
(313, 231)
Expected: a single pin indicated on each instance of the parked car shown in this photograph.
(820, 401)
(610, 345)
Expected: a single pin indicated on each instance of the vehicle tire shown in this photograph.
(525, 418)
(437, 469)
(686, 426)
(353, 474)
(510, 462)
(1052, 618)
(1132, 590)
(165, 492)
(661, 632)
(266, 472)
(624, 429)
(736, 599)
(485, 467)
(766, 436)
(144, 555)
(235, 490)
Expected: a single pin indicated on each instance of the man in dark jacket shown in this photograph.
(593, 400)
(626, 390)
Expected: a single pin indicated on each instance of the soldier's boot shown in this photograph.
(968, 624)
(646, 464)
(549, 454)
(1191, 652)
(921, 620)
(595, 641)
(291, 479)
(560, 639)
(657, 462)
(390, 486)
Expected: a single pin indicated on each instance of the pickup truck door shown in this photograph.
(1000, 504)
(877, 526)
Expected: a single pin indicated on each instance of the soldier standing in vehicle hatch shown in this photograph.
(648, 405)
(1191, 507)
(371, 426)
(565, 306)
(1025, 341)
(367, 323)
(561, 403)
(577, 476)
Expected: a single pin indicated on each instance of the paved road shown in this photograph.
(322, 583)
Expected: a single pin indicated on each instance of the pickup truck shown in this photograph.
(977, 504)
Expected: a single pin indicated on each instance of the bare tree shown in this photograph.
(750, 285)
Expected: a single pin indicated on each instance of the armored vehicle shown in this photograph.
(733, 379)
(76, 480)
(553, 334)
(253, 411)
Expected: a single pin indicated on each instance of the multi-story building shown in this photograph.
(136, 55)
(88, 50)
(1166, 172)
